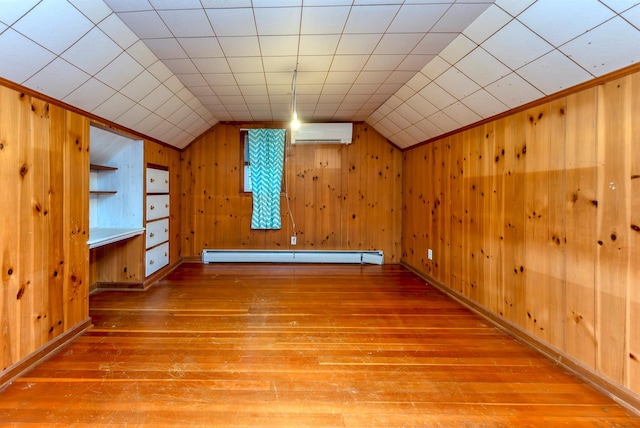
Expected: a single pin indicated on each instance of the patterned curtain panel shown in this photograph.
(266, 157)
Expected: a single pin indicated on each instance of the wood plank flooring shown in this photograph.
(293, 346)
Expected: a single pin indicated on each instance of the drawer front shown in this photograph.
(157, 181)
(157, 232)
(157, 258)
(157, 206)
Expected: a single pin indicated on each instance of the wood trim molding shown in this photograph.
(38, 356)
(620, 394)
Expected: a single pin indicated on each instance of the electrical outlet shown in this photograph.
(430, 254)
(293, 240)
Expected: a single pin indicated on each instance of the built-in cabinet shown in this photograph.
(157, 219)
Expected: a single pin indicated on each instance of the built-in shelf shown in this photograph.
(96, 167)
(99, 236)
(103, 192)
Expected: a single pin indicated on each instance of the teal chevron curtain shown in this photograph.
(266, 157)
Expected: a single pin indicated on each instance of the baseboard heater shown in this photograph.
(285, 256)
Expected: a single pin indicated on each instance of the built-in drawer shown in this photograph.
(157, 181)
(157, 232)
(157, 258)
(157, 207)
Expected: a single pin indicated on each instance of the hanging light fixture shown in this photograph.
(295, 123)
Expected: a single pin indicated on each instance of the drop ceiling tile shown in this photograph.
(484, 104)
(146, 24)
(141, 53)
(388, 88)
(461, 114)
(232, 22)
(437, 96)
(55, 25)
(131, 117)
(239, 65)
(11, 11)
(92, 52)
(605, 48)
(279, 64)
(319, 44)
(141, 86)
(128, 5)
(417, 17)
(305, 78)
(421, 105)
(487, 24)
(180, 66)
(553, 72)
(278, 45)
(174, 84)
(444, 122)
(176, 4)
(323, 20)
(254, 90)
(397, 44)
(160, 71)
(550, 18)
(212, 65)
(200, 91)
(276, 3)
(33, 56)
(2, 27)
(482, 67)
(315, 63)
(388, 124)
(190, 80)
(353, 44)
(435, 68)
(385, 63)
(201, 47)
(156, 98)
(405, 93)
(240, 46)
(68, 79)
(118, 31)
(113, 107)
(514, 7)
(341, 77)
(278, 21)
(514, 91)
(457, 49)
(89, 95)
(166, 48)
(250, 78)
(515, 45)
(429, 128)
(256, 99)
(170, 107)
(96, 11)
(433, 43)
(456, 83)
(349, 62)
(120, 71)
(147, 124)
(185, 95)
(370, 19)
(406, 112)
(620, 5)
(633, 16)
(393, 103)
(335, 89)
(459, 16)
(415, 63)
(187, 23)
(372, 77)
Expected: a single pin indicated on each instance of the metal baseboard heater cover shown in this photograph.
(286, 256)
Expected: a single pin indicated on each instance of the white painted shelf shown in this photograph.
(99, 236)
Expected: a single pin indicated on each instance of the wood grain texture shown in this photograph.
(44, 166)
(341, 197)
(298, 345)
(554, 249)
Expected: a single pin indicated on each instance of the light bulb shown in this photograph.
(295, 123)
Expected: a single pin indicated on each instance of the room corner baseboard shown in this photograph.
(620, 394)
(47, 350)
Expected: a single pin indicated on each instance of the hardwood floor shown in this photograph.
(298, 345)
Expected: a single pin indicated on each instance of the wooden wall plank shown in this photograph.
(633, 298)
(613, 150)
(580, 217)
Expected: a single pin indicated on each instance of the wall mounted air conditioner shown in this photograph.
(322, 133)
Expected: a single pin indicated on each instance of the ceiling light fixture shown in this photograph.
(295, 123)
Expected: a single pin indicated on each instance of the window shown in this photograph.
(246, 176)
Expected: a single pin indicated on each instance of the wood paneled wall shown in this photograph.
(536, 216)
(44, 169)
(341, 197)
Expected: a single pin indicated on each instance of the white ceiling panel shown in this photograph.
(172, 68)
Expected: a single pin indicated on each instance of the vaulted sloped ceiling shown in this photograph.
(413, 69)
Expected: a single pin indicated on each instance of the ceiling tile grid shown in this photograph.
(413, 69)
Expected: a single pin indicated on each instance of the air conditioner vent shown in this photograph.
(323, 133)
